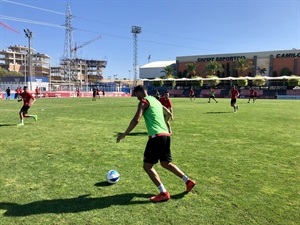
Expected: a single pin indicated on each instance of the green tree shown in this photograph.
(170, 83)
(242, 82)
(196, 82)
(285, 72)
(168, 71)
(212, 67)
(214, 80)
(3, 72)
(293, 82)
(259, 80)
(157, 82)
(191, 69)
(6, 73)
(242, 65)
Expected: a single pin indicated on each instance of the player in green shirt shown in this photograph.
(158, 145)
(212, 95)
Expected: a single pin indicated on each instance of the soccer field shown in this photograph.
(246, 164)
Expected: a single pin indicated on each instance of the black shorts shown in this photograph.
(251, 96)
(25, 109)
(158, 149)
(233, 101)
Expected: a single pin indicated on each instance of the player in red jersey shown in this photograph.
(16, 93)
(28, 100)
(78, 92)
(255, 95)
(166, 102)
(37, 92)
(234, 94)
(252, 93)
(98, 92)
(192, 94)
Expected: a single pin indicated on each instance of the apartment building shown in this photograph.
(17, 58)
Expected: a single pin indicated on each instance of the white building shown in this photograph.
(154, 69)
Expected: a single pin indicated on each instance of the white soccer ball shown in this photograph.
(112, 176)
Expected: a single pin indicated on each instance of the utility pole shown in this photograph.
(29, 35)
(135, 30)
(67, 60)
(129, 74)
(110, 88)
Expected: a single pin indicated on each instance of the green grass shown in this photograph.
(246, 164)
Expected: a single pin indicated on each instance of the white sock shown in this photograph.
(21, 121)
(161, 188)
(185, 178)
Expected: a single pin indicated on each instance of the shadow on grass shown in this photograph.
(217, 112)
(134, 133)
(73, 205)
(7, 125)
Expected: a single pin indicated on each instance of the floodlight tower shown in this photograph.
(67, 57)
(135, 30)
(29, 35)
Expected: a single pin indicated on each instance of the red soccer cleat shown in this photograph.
(189, 185)
(161, 197)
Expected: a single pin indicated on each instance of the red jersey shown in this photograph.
(26, 96)
(192, 92)
(251, 92)
(234, 93)
(166, 102)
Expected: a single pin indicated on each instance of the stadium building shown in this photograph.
(268, 63)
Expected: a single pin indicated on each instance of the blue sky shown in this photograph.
(170, 28)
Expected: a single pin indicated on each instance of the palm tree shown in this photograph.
(212, 67)
(243, 65)
(168, 71)
(261, 71)
(192, 69)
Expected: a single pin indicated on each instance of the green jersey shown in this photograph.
(154, 117)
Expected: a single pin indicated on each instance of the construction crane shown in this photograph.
(74, 50)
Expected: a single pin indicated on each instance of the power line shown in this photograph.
(30, 21)
(34, 7)
(97, 21)
(104, 22)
